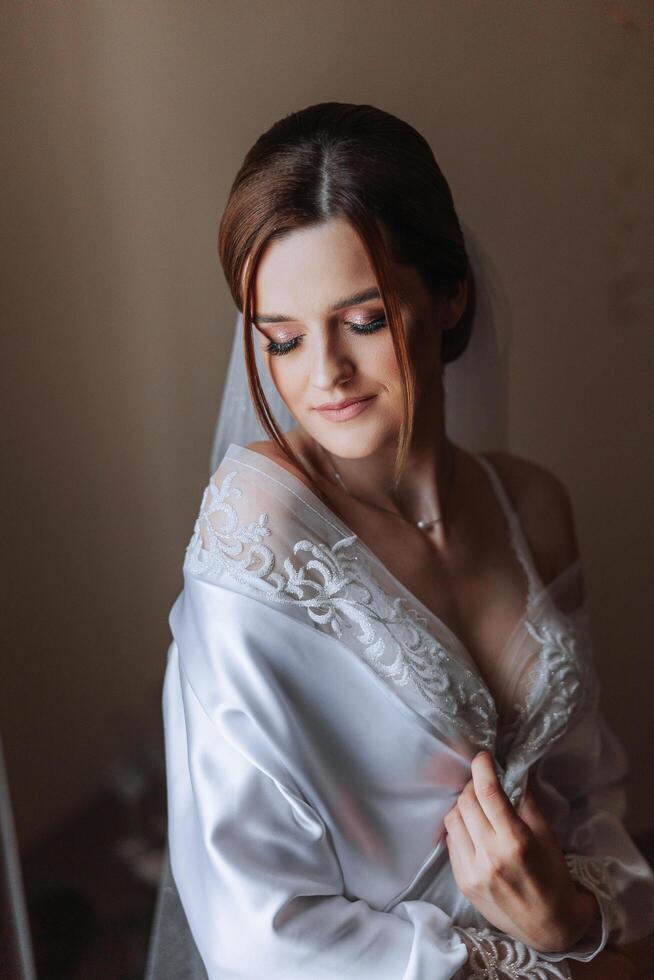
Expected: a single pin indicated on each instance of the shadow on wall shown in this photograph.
(84, 905)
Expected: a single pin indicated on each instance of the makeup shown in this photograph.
(348, 412)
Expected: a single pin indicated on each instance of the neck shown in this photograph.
(424, 486)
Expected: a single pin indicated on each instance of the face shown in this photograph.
(321, 326)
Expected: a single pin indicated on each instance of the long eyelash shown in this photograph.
(273, 347)
(371, 327)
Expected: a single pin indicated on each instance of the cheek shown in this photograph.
(378, 361)
(288, 378)
(384, 367)
(388, 360)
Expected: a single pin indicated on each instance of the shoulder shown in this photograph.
(545, 510)
(270, 449)
(248, 516)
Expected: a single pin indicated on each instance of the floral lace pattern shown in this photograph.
(341, 594)
(591, 872)
(558, 659)
(338, 593)
(558, 682)
(594, 874)
(495, 957)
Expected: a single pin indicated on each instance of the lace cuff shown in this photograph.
(493, 956)
(593, 874)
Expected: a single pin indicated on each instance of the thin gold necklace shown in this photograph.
(422, 523)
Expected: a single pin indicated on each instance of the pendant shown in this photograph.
(422, 524)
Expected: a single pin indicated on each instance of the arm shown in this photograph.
(256, 866)
(589, 770)
(257, 873)
(510, 866)
(581, 781)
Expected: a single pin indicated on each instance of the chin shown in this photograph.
(351, 441)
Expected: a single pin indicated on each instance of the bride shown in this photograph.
(385, 755)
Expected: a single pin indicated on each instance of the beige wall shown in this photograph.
(126, 122)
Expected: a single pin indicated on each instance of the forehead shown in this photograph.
(309, 269)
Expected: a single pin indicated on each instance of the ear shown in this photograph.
(454, 304)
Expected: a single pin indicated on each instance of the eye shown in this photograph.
(285, 347)
(371, 327)
(273, 347)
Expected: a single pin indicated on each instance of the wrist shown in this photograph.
(582, 911)
(587, 908)
(570, 921)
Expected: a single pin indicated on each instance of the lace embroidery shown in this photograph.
(557, 681)
(338, 592)
(556, 687)
(593, 873)
(495, 957)
(335, 592)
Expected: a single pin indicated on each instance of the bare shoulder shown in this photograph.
(545, 510)
(270, 449)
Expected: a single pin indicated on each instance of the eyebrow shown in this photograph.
(362, 297)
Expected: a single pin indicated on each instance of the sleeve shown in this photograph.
(582, 779)
(254, 861)
(256, 872)
(260, 881)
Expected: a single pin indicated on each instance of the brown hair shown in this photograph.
(363, 164)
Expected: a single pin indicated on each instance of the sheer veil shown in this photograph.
(475, 383)
(475, 417)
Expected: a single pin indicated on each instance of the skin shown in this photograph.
(302, 275)
(508, 863)
(510, 866)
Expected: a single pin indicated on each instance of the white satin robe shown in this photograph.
(319, 723)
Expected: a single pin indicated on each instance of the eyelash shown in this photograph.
(357, 328)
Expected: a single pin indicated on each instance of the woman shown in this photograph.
(385, 755)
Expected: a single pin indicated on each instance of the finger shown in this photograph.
(458, 839)
(493, 801)
(531, 814)
(461, 855)
(476, 821)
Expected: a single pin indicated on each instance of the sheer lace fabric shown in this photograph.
(320, 721)
(315, 569)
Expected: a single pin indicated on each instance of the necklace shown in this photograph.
(423, 522)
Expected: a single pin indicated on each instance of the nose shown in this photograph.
(331, 364)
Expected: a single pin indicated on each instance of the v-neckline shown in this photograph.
(535, 587)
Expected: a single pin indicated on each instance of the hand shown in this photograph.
(510, 866)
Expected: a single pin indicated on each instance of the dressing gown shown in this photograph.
(320, 721)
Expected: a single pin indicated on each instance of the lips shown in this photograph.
(335, 406)
(346, 409)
